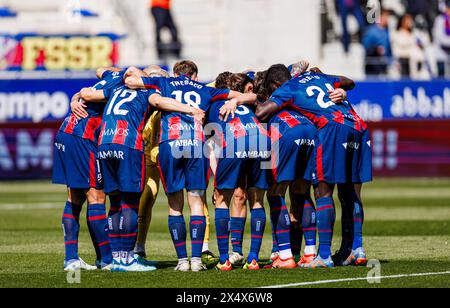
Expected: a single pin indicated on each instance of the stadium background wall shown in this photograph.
(410, 124)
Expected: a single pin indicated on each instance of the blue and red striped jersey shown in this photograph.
(88, 128)
(179, 126)
(308, 95)
(244, 124)
(284, 121)
(124, 117)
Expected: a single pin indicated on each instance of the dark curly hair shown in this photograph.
(276, 76)
(223, 80)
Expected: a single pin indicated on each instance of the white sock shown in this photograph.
(285, 254)
(205, 247)
(310, 250)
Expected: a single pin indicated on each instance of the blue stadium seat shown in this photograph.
(6, 12)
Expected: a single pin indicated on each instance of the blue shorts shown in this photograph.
(247, 161)
(342, 155)
(292, 155)
(75, 162)
(182, 165)
(123, 168)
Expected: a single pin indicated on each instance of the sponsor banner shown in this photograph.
(411, 148)
(26, 151)
(31, 51)
(402, 100)
(38, 101)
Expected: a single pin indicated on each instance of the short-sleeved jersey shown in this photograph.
(87, 128)
(178, 126)
(244, 124)
(124, 117)
(308, 94)
(284, 122)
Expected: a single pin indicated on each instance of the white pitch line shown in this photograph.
(310, 283)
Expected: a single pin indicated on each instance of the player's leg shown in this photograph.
(146, 204)
(228, 179)
(129, 206)
(357, 255)
(281, 225)
(347, 228)
(97, 223)
(178, 230)
(173, 180)
(297, 203)
(115, 240)
(208, 257)
(72, 168)
(197, 228)
(131, 181)
(326, 216)
(258, 225)
(237, 224)
(304, 214)
(222, 220)
(71, 226)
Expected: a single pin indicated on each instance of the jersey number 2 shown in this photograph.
(321, 94)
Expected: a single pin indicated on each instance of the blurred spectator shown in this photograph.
(441, 34)
(428, 9)
(161, 11)
(377, 44)
(345, 8)
(407, 48)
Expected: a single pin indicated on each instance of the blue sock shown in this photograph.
(197, 226)
(129, 220)
(98, 252)
(358, 220)
(223, 233)
(309, 224)
(275, 209)
(281, 219)
(258, 225)
(177, 227)
(71, 229)
(114, 227)
(97, 221)
(237, 227)
(326, 216)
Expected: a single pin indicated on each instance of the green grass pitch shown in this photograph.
(407, 229)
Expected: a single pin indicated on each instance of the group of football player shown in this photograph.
(257, 133)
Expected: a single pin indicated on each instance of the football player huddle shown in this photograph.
(259, 134)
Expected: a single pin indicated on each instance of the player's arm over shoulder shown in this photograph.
(265, 111)
(102, 70)
(134, 78)
(91, 95)
(342, 82)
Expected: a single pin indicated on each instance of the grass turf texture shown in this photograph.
(407, 229)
